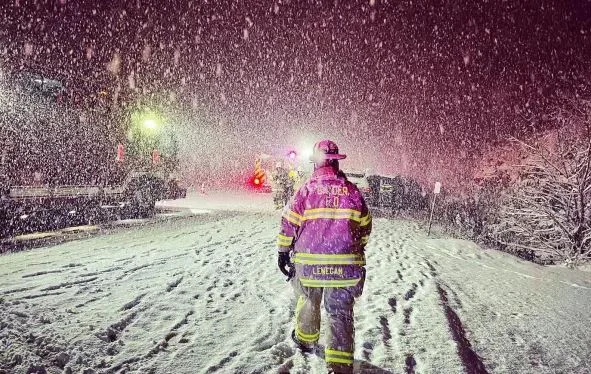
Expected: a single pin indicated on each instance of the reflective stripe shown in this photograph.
(293, 217)
(331, 355)
(366, 220)
(284, 241)
(347, 361)
(328, 259)
(327, 213)
(334, 352)
(328, 262)
(306, 338)
(338, 210)
(331, 255)
(332, 283)
(332, 213)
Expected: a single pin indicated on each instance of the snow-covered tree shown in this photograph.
(547, 212)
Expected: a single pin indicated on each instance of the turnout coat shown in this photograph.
(326, 227)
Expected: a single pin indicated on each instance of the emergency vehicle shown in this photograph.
(68, 153)
(266, 165)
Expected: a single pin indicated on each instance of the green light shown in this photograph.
(150, 123)
(147, 121)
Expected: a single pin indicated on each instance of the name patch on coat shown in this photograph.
(327, 270)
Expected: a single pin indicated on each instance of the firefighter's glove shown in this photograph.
(285, 265)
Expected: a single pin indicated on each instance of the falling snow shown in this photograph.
(108, 107)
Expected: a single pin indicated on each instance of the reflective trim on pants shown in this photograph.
(339, 357)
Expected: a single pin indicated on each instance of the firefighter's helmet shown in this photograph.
(326, 150)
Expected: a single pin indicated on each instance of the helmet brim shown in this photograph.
(335, 157)
(329, 156)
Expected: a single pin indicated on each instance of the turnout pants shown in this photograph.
(338, 303)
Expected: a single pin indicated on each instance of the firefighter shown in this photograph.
(280, 187)
(292, 180)
(321, 247)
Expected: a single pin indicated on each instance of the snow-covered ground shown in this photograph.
(202, 294)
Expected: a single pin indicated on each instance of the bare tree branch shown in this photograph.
(547, 211)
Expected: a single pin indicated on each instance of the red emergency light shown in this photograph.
(257, 179)
(120, 153)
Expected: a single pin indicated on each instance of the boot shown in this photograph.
(305, 348)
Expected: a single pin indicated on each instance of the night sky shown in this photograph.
(412, 87)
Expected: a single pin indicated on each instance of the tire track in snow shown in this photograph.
(92, 300)
(36, 296)
(42, 273)
(133, 302)
(174, 284)
(111, 333)
(176, 335)
(512, 296)
(69, 284)
(472, 362)
(16, 290)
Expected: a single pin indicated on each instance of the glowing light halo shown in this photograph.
(150, 123)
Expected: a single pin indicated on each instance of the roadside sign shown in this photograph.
(437, 188)
(436, 192)
(155, 156)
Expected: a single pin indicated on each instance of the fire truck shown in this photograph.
(69, 154)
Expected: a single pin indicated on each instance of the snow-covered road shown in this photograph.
(202, 294)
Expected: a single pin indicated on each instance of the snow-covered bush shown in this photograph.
(547, 211)
(471, 215)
